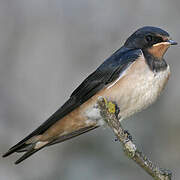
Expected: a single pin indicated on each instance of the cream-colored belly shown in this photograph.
(138, 88)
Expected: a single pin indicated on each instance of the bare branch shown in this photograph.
(109, 112)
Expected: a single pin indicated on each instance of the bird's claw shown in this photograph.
(128, 135)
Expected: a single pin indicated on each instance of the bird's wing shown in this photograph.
(106, 73)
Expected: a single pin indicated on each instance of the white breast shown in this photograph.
(135, 89)
(138, 88)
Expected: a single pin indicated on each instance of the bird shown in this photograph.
(133, 77)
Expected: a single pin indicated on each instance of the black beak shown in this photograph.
(171, 42)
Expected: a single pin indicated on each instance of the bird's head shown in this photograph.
(151, 39)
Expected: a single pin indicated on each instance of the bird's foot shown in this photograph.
(128, 135)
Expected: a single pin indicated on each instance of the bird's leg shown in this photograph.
(113, 108)
(128, 135)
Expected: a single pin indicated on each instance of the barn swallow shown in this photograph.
(133, 77)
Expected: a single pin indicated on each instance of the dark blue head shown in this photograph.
(150, 39)
(146, 37)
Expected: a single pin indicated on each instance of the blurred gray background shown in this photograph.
(47, 47)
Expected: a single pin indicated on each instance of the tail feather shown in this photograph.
(14, 149)
(30, 152)
(31, 148)
(72, 135)
(26, 148)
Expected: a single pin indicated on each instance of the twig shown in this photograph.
(109, 112)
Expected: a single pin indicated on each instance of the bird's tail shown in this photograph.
(31, 146)
(28, 148)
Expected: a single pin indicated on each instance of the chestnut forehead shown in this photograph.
(164, 37)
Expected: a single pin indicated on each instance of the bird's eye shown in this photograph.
(149, 38)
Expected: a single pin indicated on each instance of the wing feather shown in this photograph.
(104, 74)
